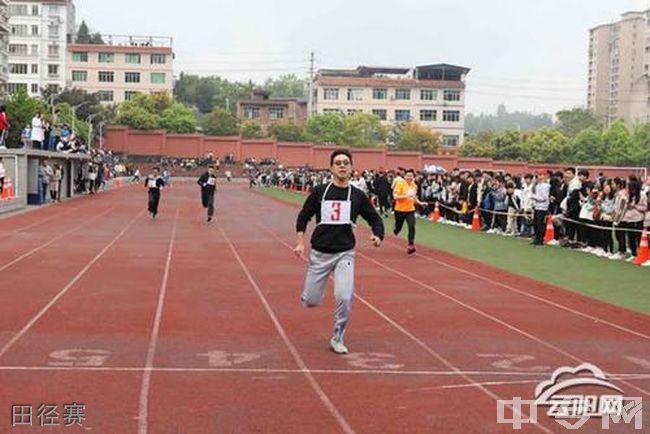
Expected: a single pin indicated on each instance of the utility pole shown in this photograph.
(310, 87)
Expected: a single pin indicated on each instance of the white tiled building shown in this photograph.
(39, 34)
(4, 43)
(432, 95)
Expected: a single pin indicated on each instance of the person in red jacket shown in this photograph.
(4, 125)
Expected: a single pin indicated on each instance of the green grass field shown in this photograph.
(615, 282)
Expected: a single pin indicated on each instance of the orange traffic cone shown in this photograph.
(435, 215)
(12, 192)
(476, 221)
(642, 255)
(5, 190)
(550, 231)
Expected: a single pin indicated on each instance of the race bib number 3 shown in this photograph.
(335, 212)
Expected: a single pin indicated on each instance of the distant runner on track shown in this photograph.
(154, 183)
(336, 206)
(208, 183)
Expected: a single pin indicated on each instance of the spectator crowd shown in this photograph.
(599, 215)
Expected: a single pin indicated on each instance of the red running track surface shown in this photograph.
(174, 325)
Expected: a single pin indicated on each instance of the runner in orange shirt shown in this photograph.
(405, 195)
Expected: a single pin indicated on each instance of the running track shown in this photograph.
(177, 326)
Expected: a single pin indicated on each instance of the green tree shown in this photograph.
(480, 145)
(588, 147)
(286, 132)
(137, 118)
(76, 97)
(622, 149)
(21, 108)
(252, 130)
(571, 122)
(412, 136)
(363, 130)
(178, 118)
(288, 85)
(509, 146)
(547, 145)
(83, 34)
(220, 122)
(325, 128)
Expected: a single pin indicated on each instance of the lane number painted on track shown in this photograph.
(639, 361)
(224, 359)
(78, 357)
(514, 362)
(372, 361)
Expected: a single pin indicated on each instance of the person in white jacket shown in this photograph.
(38, 131)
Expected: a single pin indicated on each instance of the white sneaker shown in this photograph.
(616, 256)
(338, 347)
(598, 252)
(630, 259)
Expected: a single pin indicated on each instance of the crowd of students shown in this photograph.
(599, 215)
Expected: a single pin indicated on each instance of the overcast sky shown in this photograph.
(527, 54)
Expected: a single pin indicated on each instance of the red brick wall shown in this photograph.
(122, 140)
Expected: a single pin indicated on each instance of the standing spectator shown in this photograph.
(228, 175)
(43, 181)
(2, 175)
(513, 205)
(55, 184)
(4, 126)
(541, 200)
(38, 131)
(634, 215)
(383, 191)
(92, 177)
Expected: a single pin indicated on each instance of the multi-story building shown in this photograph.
(4, 44)
(432, 95)
(268, 111)
(619, 75)
(121, 67)
(39, 33)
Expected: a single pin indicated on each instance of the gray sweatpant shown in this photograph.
(318, 270)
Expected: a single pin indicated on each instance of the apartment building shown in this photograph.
(4, 44)
(432, 95)
(122, 67)
(268, 111)
(619, 62)
(39, 34)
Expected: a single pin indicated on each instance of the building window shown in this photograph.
(331, 93)
(34, 68)
(450, 140)
(132, 77)
(428, 115)
(251, 112)
(451, 116)
(19, 30)
(13, 87)
(34, 88)
(157, 78)
(382, 114)
(381, 93)
(35, 10)
(53, 31)
(158, 59)
(34, 50)
(106, 76)
(53, 9)
(35, 30)
(79, 75)
(402, 115)
(354, 111)
(18, 49)
(52, 70)
(79, 56)
(331, 110)
(106, 57)
(105, 95)
(53, 51)
(355, 94)
(132, 58)
(129, 95)
(53, 88)
(428, 95)
(451, 95)
(276, 112)
(17, 10)
(18, 68)
(402, 93)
